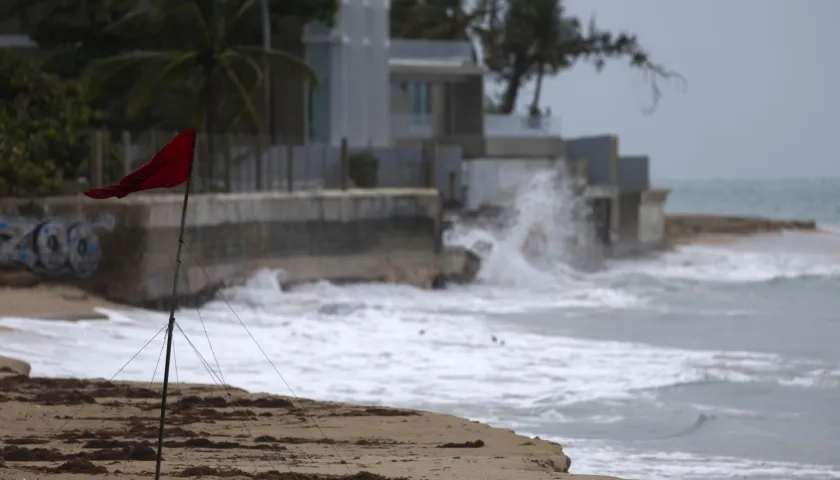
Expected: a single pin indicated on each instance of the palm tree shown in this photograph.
(547, 32)
(203, 44)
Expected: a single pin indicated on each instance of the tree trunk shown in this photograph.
(210, 125)
(511, 92)
(535, 103)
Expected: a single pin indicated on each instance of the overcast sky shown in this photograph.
(762, 97)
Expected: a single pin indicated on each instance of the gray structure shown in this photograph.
(627, 213)
(356, 235)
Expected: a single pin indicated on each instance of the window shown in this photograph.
(420, 101)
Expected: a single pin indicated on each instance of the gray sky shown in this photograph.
(762, 97)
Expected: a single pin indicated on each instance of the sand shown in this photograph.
(23, 294)
(71, 429)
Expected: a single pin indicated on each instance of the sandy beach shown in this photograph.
(23, 294)
(72, 428)
(75, 428)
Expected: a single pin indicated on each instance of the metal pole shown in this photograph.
(266, 31)
(171, 326)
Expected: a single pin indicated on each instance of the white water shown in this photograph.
(401, 346)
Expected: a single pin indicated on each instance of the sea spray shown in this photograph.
(541, 233)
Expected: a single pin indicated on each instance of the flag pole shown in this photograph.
(171, 326)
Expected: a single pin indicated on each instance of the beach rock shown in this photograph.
(560, 463)
(459, 264)
(12, 366)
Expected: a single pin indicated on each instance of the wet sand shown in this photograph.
(70, 429)
(23, 294)
(52, 302)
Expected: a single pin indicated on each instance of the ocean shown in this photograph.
(708, 362)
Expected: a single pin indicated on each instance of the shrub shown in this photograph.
(44, 129)
(363, 169)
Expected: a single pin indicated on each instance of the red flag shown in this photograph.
(170, 167)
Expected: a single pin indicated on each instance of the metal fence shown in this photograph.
(242, 163)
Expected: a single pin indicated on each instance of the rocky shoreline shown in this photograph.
(687, 228)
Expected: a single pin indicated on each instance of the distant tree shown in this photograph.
(442, 19)
(524, 40)
(44, 129)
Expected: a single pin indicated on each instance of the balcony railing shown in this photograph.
(408, 125)
(411, 125)
(497, 125)
(431, 50)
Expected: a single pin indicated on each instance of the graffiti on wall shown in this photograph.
(52, 245)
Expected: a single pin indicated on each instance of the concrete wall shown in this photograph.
(633, 173)
(629, 210)
(493, 182)
(476, 147)
(352, 59)
(388, 234)
(601, 156)
(652, 218)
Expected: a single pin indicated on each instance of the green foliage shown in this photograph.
(363, 168)
(44, 128)
(199, 44)
(91, 31)
(433, 19)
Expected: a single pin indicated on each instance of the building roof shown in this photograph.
(419, 67)
(432, 57)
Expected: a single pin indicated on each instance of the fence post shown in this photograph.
(96, 160)
(261, 150)
(290, 165)
(430, 161)
(344, 163)
(228, 161)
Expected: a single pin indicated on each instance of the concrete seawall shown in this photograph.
(371, 235)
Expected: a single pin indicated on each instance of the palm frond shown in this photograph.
(99, 72)
(280, 60)
(181, 17)
(246, 6)
(232, 57)
(156, 74)
(140, 12)
(244, 93)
